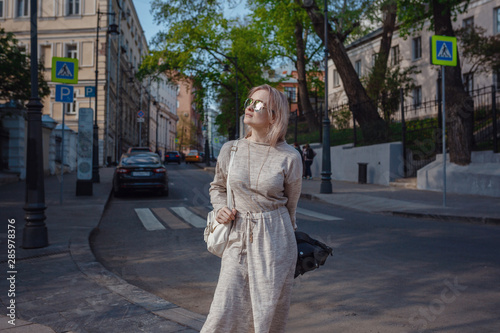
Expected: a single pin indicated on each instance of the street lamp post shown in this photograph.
(113, 29)
(326, 180)
(35, 231)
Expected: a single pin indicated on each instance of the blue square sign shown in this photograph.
(64, 93)
(90, 91)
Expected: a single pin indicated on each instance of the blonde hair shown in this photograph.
(277, 110)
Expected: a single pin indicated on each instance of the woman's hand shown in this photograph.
(226, 215)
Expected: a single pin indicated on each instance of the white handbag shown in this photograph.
(216, 234)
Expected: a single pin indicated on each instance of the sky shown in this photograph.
(143, 8)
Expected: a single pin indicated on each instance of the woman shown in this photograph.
(258, 264)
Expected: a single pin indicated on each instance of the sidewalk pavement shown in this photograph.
(62, 288)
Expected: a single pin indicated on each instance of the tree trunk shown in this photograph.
(377, 78)
(304, 103)
(363, 108)
(459, 105)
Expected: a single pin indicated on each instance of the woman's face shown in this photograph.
(254, 119)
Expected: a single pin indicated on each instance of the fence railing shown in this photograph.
(418, 126)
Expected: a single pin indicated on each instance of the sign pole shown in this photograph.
(62, 157)
(140, 134)
(444, 135)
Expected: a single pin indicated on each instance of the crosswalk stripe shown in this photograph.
(190, 217)
(317, 215)
(147, 218)
(170, 219)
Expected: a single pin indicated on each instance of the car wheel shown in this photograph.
(163, 193)
(179, 162)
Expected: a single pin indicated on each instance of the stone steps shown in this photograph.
(410, 183)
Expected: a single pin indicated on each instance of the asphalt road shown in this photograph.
(388, 274)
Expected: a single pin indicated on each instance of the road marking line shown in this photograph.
(190, 217)
(317, 215)
(170, 219)
(149, 221)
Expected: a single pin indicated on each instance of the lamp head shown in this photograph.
(113, 29)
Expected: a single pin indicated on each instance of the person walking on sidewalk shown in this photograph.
(299, 150)
(308, 154)
(256, 277)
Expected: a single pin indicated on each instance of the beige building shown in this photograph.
(69, 29)
(414, 51)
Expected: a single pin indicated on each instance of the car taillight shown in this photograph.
(167, 155)
(176, 155)
(122, 170)
(159, 170)
(197, 156)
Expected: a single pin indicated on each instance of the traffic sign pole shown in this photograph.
(444, 52)
(61, 191)
(444, 135)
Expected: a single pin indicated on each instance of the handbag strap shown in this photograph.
(229, 192)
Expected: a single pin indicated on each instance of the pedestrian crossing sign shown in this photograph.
(65, 70)
(444, 50)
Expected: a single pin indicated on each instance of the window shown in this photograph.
(357, 67)
(58, 149)
(22, 8)
(497, 20)
(70, 108)
(291, 93)
(1, 8)
(468, 23)
(46, 55)
(71, 51)
(72, 7)
(395, 55)
(417, 48)
(468, 80)
(336, 78)
(374, 59)
(417, 96)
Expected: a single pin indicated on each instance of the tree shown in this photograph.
(199, 41)
(459, 104)
(289, 28)
(480, 50)
(15, 71)
(346, 22)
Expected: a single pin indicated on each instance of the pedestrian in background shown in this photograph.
(299, 150)
(254, 288)
(308, 154)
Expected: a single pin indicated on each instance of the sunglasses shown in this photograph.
(258, 105)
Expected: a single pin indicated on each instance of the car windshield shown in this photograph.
(141, 159)
(193, 153)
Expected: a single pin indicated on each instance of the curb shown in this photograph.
(82, 255)
(445, 217)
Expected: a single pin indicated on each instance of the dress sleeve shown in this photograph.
(218, 193)
(293, 186)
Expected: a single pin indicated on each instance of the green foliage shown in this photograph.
(480, 50)
(15, 71)
(412, 14)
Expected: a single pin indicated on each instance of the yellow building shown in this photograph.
(69, 28)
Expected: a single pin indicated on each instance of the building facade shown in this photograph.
(79, 29)
(414, 51)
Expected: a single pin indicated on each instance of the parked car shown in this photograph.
(139, 150)
(193, 157)
(172, 156)
(140, 171)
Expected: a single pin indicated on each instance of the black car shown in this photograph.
(140, 171)
(172, 156)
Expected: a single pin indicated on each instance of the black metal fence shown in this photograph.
(417, 125)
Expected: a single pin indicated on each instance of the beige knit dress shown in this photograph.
(256, 277)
